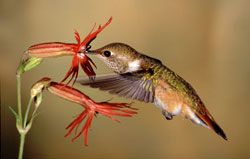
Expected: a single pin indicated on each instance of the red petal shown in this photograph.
(76, 122)
(77, 36)
(86, 66)
(88, 124)
(93, 35)
(73, 71)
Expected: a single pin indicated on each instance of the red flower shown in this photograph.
(77, 50)
(37, 52)
(91, 108)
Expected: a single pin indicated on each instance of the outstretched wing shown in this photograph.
(134, 86)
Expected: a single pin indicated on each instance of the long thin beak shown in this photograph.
(92, 52)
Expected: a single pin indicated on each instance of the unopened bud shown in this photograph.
(38, 87)
(28, 63)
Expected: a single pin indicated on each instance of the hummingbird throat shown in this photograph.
(134, 66)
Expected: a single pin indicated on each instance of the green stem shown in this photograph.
(19, 106)
(20, 117)
(21, 146)
(23, 126)
(27, 113)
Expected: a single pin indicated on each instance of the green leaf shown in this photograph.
(15, 113)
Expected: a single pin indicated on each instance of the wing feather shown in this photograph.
(133, 86)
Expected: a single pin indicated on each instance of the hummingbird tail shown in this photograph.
(210, 122)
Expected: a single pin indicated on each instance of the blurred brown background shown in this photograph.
(206, 42)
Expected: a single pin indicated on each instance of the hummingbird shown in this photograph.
(141, 77)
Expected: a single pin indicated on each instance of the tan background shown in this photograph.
(206, 42)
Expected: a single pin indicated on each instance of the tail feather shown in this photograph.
(210, 122)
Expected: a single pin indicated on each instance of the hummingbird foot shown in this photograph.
(167, 115)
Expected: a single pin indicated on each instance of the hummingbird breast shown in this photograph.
(174, 96)
(173, 103)
(167, 99)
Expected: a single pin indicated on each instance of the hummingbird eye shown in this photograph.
(107, 53)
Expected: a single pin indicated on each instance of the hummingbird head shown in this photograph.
(119, 57)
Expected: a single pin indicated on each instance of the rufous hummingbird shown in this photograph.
(146, 79)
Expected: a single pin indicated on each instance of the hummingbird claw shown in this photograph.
(167, 115)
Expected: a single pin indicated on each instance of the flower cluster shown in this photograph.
(33, 57)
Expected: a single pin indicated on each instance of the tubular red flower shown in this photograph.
(91, 109)
(78, 50)
(53, 49)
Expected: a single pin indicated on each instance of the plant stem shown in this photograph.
(23, 126)
(20, 117)
(21, 146)
(27, 113)
(19, 106)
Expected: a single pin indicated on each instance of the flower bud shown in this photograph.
(39, 86)
(36, 91)
(28, 63)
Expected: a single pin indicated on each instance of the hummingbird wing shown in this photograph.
(128, 85)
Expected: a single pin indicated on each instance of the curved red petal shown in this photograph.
(93, 35)
(73, 71)
(86, 66)
(77, 37)
(76, 122)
